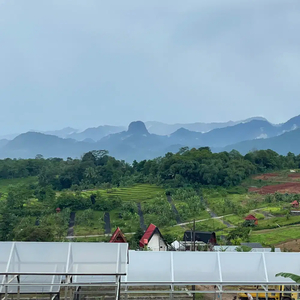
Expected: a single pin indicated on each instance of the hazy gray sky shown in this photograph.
(92, 62)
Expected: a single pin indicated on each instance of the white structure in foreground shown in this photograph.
(38, 268)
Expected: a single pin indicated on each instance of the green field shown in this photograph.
(276, 210)
(210, 225)
(275, 236)
(277, 222)
(6, 183)
(234, 220)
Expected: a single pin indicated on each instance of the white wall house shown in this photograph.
(153, 240)
(156, 243)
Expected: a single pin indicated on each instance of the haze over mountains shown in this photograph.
(165, 129)
(152, 139)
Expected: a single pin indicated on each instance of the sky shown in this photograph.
(92, 62)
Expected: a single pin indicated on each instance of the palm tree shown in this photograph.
(90, 174)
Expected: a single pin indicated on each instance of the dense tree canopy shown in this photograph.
(187, 167)
(202, 167)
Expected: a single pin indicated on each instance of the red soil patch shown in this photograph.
(266, 176)
(289, 188)
(291, 246)
(294, 175)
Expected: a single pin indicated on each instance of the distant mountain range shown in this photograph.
(97, 133)
(166, 129)
(139, 143)
(282, 144)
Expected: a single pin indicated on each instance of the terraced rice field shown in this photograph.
(136, 193)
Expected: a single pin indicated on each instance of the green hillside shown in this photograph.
(101, 193)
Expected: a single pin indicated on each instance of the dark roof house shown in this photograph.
(200, 236)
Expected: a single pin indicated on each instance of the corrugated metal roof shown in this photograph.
(147, 235)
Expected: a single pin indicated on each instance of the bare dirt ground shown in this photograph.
(294, 175)
(266, 176)
(291, 246)
(276, 177)
(214, 296)
(283, 188)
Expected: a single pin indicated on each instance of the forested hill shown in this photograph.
(188, 167)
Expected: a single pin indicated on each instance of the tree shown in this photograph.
(135, 239)
(17, 196)
(169, 238)
(35, 234)
(89, 159)
(99, 154)
(239, 233)
(183, 150)
(8, 220)
(249, 223)
(46, 194)
(90, 175)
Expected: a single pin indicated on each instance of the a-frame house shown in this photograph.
(118, 237)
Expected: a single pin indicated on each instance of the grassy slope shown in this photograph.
(5, 183)
(95, 228)
(146, 193)
(276, 236)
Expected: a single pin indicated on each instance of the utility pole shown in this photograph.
(194, 249)
(194, 235)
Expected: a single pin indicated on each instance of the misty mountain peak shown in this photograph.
(137, 127)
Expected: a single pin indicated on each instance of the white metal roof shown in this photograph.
(41, 266)
(33, 258)
(187, 268)
(265, 250)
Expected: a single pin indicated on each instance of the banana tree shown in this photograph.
(292, 276)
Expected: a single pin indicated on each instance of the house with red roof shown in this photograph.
(295, 204)
(153, 239)
(118, 237)
(252, 218)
